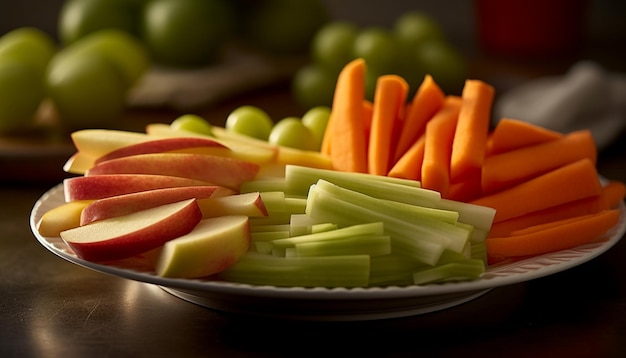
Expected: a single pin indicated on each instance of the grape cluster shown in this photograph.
(414, 46)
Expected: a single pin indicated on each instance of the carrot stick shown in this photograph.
(466, 190)
(562, 235)
(568, 183)
(389, 99)
(410, 164)
(510, 134)
(427, 101)
(470, 138)
(346, 124)
(438, 136)
(612, 194)
(513, 167)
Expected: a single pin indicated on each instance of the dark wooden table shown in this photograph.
(53, 308)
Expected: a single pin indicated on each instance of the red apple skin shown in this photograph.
(126, 236)
(214, 245)
(129, 203)
(223, 171)
(104, 186)
(161, 145)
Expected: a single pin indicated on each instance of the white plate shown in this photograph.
(337, 304)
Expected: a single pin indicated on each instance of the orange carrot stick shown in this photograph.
(513, 167)
(427, 101)
(612, 194)
(389, 99)
(438, 136)
(510, 134)
(470, 138)
(346, 124)
(571, 182)
(556, 236)
(466, 190)
(410, 164)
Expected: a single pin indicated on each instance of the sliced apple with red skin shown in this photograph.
(258, 152)
(162, 145)
(132, 234)
(98, 142)
(79, 163)
(104, 186)
(211, 247)
(248, 204)
(129, 203)
(223, 171)
(61, 218)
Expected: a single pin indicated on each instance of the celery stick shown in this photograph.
(323, 227)
(295, 205)
(478, 235)
(266, 228)
(480, 217)
(269, 235)
(275, 219)
(299, 180)
(274, 201)
(469, 269)
(324, 271)
(262, 247)
(400, 210)
(406, 238)
(393, 269)
(370, 228)
(425, 221)
(478, 250)
(373, 245)
(262, 185)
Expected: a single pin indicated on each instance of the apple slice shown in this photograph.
(104, 186)
(132, 234)
(249, 204)
(223, 171)
(211, 247)
(160, 145)
(78, 163)
(129, 203)
(61, 218)
(98, 142)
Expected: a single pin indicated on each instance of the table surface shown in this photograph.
(50, 307)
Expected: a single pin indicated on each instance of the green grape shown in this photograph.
(285, 26)
(290, 132)
(192, 123)
(444, 63)
(119, 47)
(21, 92)
(378, 48)
(332, 45)
(414, 28)
(86, 90)
(79, 18)
(251, 121)
(313, 86)
(186, 33)
(316, 119)
(28, 45)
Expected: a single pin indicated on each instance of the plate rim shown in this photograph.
(551, 263)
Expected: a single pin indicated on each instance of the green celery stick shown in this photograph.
(269, 235)
(323, 271)
(299, 179)
(479, 251)
(262, 185)
(469, 269)
(406, 238)
(425, 221)
(266, 228)
(400, 210)
(323, 227)
(275, 219)
(274, 201)
(261, 247)
(295, 205)
(370, 228)
(393, 269)
(480, 217)
(373, 245)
